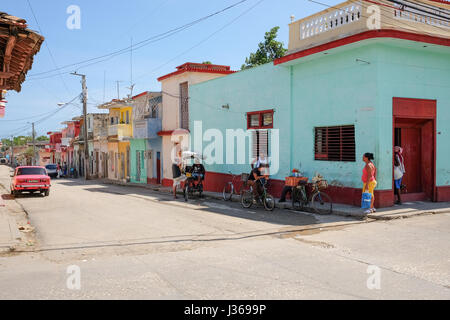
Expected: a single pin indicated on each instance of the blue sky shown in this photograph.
(108, 25)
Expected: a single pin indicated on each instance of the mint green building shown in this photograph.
(326, 103)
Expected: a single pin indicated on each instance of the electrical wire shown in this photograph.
(48, 48)
(398, 21)
(21, 128)
(144, 42)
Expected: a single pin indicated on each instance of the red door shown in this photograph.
(414, 131)
(158, 168)
(411, 144)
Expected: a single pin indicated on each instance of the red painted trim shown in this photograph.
(441, 1)
(165, 133)
(215, 181)
(443, 193)
(199, 67)
(167, 182)
(152, 181)
(260, 113)
(140, 95)
(371, 34)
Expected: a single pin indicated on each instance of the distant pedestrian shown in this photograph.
(177, 175)
(369, 179)
(399, 172)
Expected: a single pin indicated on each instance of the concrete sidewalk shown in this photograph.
(406, 210)
(10, 235)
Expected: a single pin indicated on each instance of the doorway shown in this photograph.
(158, 167)
(414, 131)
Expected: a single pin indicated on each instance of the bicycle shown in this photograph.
(247, 197)
(321, 202)
(232, 186)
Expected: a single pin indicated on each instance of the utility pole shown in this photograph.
(118, 95)
(85, 135)
(12, 152)
(33, 159)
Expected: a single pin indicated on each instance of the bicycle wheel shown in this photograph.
(321, 203)
(227, 191)
(297, 199)
(246, 199)
(269, 202)
(186, 192)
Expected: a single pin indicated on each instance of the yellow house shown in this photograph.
(120, 131)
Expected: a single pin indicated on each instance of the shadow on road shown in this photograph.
(208, 204)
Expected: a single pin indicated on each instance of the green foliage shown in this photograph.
(206, 62)
(268, 50)
(21, 141)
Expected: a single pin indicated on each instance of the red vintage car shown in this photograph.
(30, 179)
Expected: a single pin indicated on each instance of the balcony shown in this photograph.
(121, 131)
(147, 128)
(65, 141)
(353, 17)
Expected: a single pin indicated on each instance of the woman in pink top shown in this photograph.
(369, 179)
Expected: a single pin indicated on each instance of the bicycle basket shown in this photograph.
(244, 177)
(322, 184)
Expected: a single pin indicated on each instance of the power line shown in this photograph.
(203, 41)
(142, 43)
(20, 129)
(48, 48)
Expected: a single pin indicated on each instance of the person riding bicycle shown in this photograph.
(257, 179)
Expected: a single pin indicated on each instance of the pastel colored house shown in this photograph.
(175, 106)
(96, 123)
(120, 131)
(343, 89)
(145, 146)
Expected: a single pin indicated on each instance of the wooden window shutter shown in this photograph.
(335, 143)
(260, 142)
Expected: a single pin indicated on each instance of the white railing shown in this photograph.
(331, 20)
(416, 16)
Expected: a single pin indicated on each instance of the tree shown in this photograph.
(268, 50)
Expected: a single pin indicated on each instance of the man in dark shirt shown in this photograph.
(254, 180)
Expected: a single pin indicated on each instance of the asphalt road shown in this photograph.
(132, 243)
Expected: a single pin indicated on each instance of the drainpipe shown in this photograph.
(291, 117)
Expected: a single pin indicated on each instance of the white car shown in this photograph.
(52, 170)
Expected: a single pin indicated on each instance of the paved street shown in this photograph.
(132, 243)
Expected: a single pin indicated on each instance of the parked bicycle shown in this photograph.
(232, 187)
(319, 200)
(248, 197)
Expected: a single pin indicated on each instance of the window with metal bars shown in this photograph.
(260, 143)
(336, 143)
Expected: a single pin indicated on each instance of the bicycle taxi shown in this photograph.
(195, 174)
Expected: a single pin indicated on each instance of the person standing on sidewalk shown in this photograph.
(399, 171)
(369, 179)
(177, 175)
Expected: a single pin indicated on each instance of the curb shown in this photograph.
(286, 205)
(408, 215)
